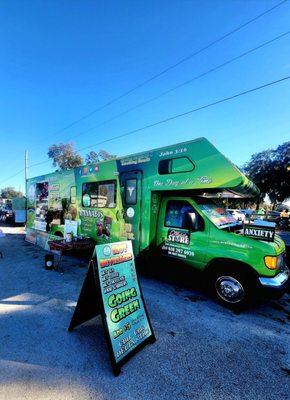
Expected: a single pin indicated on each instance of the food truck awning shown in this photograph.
(224, 179)
(245, 189)
(229, 181)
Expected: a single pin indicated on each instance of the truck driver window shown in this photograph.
(175, 165)
(180, 214)
(131, 191)
(99, 194)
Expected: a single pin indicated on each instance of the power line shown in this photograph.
(164, 71)
(223, 100)
(12, 176)
(40, 163)
(171, 90)
(182, 84)
(162, 94)
(188, 112)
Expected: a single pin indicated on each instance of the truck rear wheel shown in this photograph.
(232, 289)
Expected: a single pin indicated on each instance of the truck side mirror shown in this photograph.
(189, 221)
(192, 222)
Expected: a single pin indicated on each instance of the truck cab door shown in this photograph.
(131, 183)
(181, 232)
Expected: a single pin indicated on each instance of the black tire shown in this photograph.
(232, 289)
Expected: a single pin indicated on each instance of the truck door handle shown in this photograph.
(118, 215)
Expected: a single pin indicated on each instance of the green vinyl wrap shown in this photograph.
(188, 168)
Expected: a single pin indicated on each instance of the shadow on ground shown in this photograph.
(202, 350)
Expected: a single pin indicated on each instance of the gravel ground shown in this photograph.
(202, 351)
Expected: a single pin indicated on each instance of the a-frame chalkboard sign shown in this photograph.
(111, 288)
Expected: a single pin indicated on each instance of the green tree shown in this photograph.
(64, 156)
(92, 157)
(280, 188)
(10, 192)
(270, 171)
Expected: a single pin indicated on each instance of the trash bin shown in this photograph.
(49, 261)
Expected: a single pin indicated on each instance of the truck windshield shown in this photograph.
(218, 215)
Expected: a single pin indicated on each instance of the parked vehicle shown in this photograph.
(284, 224)
(19, 210)
(273, 216)
(237, 214)
(164, 201)
(6, 213)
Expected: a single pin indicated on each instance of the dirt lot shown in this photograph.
(202, 351)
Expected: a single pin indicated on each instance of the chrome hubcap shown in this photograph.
(229, 289)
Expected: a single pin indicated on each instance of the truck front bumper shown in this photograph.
(278, 283)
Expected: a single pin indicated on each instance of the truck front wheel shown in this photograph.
(232, 289)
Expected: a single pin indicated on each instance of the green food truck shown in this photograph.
(165, 201)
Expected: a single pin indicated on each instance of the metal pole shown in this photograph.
(26, 177)
(26, 166)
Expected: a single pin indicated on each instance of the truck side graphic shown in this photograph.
(162, 200)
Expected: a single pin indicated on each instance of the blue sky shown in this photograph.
(60, 59)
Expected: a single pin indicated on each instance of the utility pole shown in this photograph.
(26, 166)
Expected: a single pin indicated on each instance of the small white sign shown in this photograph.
(70, 227)
(40, 225)
(130, 212)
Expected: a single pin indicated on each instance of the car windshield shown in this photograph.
(218, 215)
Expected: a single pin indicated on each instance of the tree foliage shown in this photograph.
(64, 156)
(10, 192)
(92, 157)
(270, 171)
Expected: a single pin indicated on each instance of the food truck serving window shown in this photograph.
(99, 194)
(175, 165)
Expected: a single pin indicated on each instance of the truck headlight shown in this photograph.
(271, 262)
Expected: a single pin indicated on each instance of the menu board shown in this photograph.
(111, 288)
(70, 227)
(126, 317)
